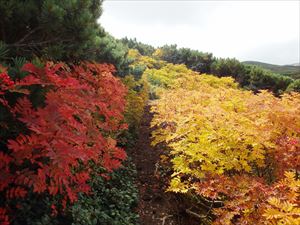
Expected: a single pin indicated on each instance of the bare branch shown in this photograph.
(195, 214)
(27, 35)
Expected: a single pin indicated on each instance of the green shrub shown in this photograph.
(112, 201)
(295, 86)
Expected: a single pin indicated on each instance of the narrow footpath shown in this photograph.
(156, 207)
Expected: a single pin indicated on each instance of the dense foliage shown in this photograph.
(144, 49)
(112, 200)
(193, 59)
(251, 77)
(234, 150)
(137, 97)
(48, 146)
(295, 86)
(164, 77)
(63, 120)
(111, 50)
(292, 71)
(248, 76)
(58, 30)
(50, 28)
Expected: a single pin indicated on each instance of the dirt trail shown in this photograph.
(156, 207)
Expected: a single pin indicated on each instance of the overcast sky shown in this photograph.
(266, 31)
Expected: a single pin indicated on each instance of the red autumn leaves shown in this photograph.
(75, 127)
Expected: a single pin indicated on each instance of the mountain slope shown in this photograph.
(292, 71)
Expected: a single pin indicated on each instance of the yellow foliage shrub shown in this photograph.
(217, 131)
(137, 98)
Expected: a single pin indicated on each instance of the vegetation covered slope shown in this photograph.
(231, 151)
(292, 71)
(66, 119)
(62, 118)
(248, 76)
(228, 150)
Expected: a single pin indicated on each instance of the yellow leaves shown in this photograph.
(212, 127)
(169, 75)
(285, 209)
(247, 212)
(136, 100)
(282, 212)
(215, 82)
(181, 165)
(158, 53)
(292, 182)
(149, 62)
(133, 54)
(177, 186)
(215, 130)
(290, 178)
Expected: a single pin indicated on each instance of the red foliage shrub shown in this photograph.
(78, 124)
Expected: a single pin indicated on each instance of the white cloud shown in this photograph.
(243, 29)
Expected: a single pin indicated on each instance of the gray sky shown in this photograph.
(266, 31)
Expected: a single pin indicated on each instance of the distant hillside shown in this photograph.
(292, 71)
(295, 64)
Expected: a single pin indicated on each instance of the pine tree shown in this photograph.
(53, 29)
